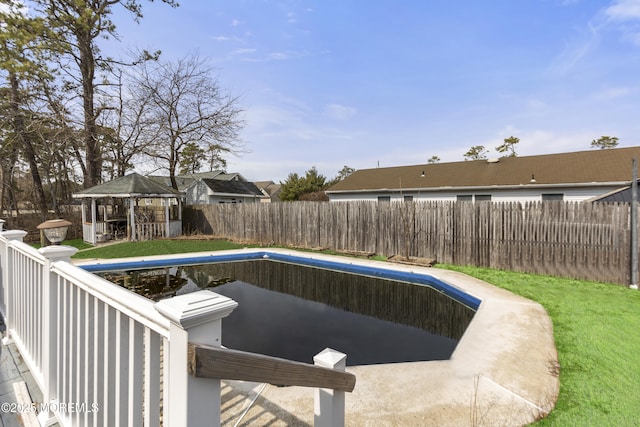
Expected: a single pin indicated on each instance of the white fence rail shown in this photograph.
(104, 356)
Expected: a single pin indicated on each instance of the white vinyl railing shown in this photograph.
(105, 356)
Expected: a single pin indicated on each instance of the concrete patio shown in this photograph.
(504, 372)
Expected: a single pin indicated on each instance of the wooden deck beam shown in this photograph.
(226, 364)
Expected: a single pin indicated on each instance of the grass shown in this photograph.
(156, 247)
(596, 329)
(597, 334)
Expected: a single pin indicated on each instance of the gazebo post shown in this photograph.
(93, 221)
(132, 219)
(84, 220)
(167, 232)
(84, 213)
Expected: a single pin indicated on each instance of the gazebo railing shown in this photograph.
(152, 230)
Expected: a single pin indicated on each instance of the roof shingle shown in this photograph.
(594, 166)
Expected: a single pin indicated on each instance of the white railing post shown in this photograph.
(196, 318)
(50, 314)
(7, 272)
(329, 404)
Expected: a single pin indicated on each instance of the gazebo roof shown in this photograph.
(132, 185)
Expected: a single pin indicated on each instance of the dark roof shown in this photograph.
(132, 185)
(623, 194)
(232, 187)
(610, 166)
(183, 181)
(269, 187)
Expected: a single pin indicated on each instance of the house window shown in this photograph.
(408, 198)
(384, 198)
(464, 198)
(553, 196)
(483, 197)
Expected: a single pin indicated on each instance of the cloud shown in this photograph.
(626, 14)
(624, 10)
(282, 56)
(339, 112)
(575, 51)
(621, 15)
(279, 56)
(244, 51)
(224, 39)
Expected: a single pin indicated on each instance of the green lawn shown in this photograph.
(596, 328)
(597, 333)
(156, 247)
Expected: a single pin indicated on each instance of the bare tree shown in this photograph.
(127, 127)
(189, 107)
(77, 25)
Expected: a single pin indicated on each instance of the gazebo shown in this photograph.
(131, 207)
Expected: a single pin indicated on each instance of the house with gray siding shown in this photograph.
(574, 176)
(214, 187)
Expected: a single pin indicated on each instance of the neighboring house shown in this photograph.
(621, 195)
(270, 191)
(215, 187)
(576, 176)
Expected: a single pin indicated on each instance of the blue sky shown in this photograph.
(366, 83)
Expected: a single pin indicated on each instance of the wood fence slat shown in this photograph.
(567, 239)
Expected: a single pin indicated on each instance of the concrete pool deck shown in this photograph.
(504, 371)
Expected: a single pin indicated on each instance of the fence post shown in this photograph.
(329, 404)
(50, 315)
(7, 272)
(196, 318)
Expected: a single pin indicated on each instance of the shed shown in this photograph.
(131, 207)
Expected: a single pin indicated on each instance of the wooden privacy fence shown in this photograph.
(588, 241)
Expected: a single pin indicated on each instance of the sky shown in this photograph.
(382, 83)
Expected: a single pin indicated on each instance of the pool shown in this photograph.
(293, 307)
(500, 369)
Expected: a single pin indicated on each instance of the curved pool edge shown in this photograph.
(503, 371)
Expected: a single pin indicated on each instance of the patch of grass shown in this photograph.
(156, 247)
(597, 334)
